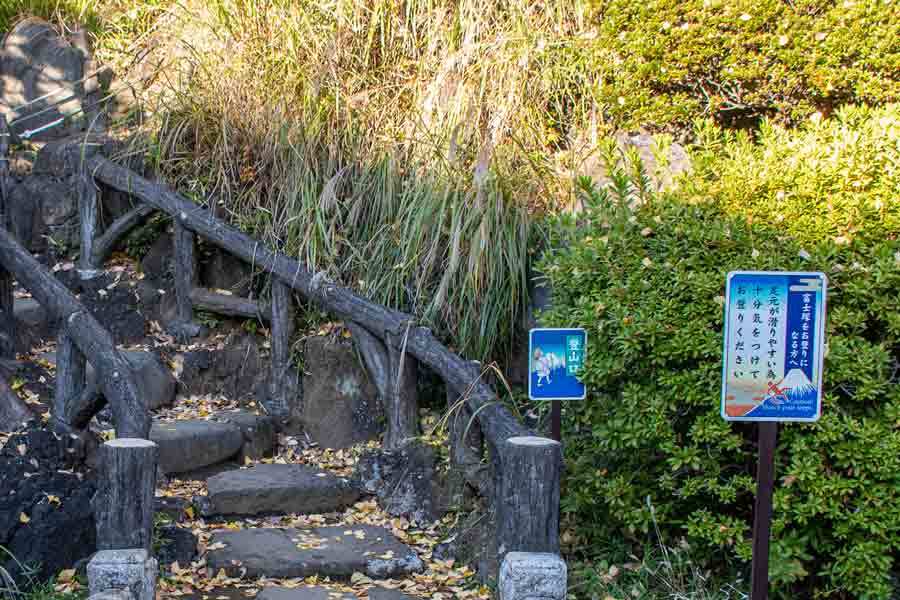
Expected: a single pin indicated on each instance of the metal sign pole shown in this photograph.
(762, 514)
(556, 420)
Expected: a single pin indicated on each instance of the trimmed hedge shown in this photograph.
(645, 273)
(665, 61)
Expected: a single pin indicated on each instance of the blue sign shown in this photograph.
(556, 357)
(774, 346)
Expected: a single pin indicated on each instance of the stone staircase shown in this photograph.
(228, 455)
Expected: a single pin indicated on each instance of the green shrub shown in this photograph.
(665, 61)
(645, 275)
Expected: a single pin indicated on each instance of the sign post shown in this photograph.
(555, 358)
(772, 372)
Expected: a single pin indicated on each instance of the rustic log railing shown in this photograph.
(525, 469)
(81, 337)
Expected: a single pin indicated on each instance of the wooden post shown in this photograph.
(7, 317)
(395, 374)
(280, 385)
(185, 278)
(71, 374)
(124, 504)
(465, 437)
(402, 400)
(116, 379)
(762, 514)
(466, 448)
(87, 209)
(528, 498)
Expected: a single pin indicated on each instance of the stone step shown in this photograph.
(299, 593)
(279, 489)
(193, 444)
(320, 593)
(303, 593)
(335, 552)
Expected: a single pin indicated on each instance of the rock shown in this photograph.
(35, 61)
(236, 371)
(157, 263)
(193, 444)
(303, 593)
(661, 177)
(115, 305)
(334, 552)
(532, 576)
(53, 533)
(279, 489)
(14, 413)
(224, 271)
(404, 481)
(258, 432)
(133, 571)
(25, 217)
(176, 544)
(153, 377)
(340, 404)
(380, 593)
(33, 324)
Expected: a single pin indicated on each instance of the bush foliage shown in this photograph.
(645, 272)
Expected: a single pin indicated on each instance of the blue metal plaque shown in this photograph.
(556, 357)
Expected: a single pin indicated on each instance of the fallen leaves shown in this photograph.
(441, 579)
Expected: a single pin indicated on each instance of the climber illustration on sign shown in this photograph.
(556, 358)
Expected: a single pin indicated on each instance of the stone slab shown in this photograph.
(532, 576)
(279, 489)
(380, 593)
(133, 571)
(258, 431)
(302, 593)
(335, 552)
(193, 444)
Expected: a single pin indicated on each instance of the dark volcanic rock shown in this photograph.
(224, 271)
(157, 263)
(43, 70)
(237, 370)
(340, 403)
(116, 306)
(33, 324)
(258, 432)
(336, 552)
(176, 544)
(46, 517)
(404, 481)
(279, 489)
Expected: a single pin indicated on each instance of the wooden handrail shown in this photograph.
(130, 413)
(389, 325)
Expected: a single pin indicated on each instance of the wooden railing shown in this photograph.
(525, 468)
(80, 336)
